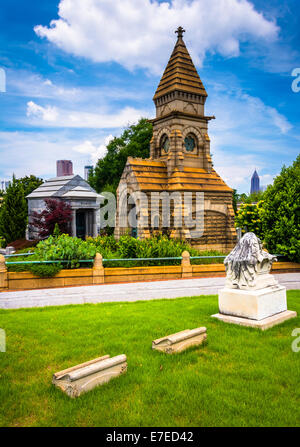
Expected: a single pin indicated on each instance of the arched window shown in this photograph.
(164, 144)
(190, 143)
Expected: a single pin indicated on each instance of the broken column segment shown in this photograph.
(84, 377)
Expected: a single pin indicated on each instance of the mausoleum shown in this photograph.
(180, 161)
(82, 198)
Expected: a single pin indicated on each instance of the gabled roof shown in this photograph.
(71, 186)
(180, 73)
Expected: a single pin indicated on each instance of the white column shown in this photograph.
(95, 232)
(74, 223)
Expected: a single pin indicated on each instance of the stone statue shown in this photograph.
(251, 296)
(248, 265)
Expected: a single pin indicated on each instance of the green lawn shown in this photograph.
(241, 377)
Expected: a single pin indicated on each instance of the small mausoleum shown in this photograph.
(75, 191)
(180, 162)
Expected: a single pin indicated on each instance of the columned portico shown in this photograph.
(84, 222)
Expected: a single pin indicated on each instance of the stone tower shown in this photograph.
(180, 162)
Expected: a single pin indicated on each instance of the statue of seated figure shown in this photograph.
(248, 265)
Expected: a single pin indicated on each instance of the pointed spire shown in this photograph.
(180, 73)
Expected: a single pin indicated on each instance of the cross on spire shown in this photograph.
(180, 32)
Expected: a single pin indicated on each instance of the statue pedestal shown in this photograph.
(264, 324)
(261, 308)
(253, 304)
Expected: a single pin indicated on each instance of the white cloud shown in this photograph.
(56, 117)
(48, 114)
(25, 153)
(92, 150)
(24, 83)
(139, 33)
(246, 135)
(245, 114)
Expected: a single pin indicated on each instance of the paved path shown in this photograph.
(124, 292)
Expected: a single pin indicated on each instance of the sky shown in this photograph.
(79, 71)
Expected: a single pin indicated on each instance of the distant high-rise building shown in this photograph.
(87, 171)
(254, 183)
(64, 168)
(4, 184)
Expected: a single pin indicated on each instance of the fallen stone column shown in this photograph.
(180, 341)
(84, 377)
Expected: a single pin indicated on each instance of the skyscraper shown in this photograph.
(87, 171)
(254, 183)
(64, 168)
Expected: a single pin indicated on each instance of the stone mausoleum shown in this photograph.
(180, 160)
(75, 191)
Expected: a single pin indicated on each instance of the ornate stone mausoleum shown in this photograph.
(75, 191)
(180, 162)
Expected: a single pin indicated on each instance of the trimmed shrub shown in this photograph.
(45, 270)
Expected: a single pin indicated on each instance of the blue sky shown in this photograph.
(79, 71)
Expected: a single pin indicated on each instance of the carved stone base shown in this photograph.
(180, 341)
(264, 324)
(253, 304)
(84, 377)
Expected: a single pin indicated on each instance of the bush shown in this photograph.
(73, 250)
(45, 270)
(159, 246)
(66, 248)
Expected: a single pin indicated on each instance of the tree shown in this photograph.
(57, 215)
(134, 142)
(248, 216)
(29, 183)
(281, 213)
(255, 197)
(13, 212)
(235, 198)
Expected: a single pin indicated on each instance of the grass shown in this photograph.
(241, 377)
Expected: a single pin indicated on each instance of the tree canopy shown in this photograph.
(57, 214)
(13, 211)
(134, 142)
(29, 183)
(280, 213)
